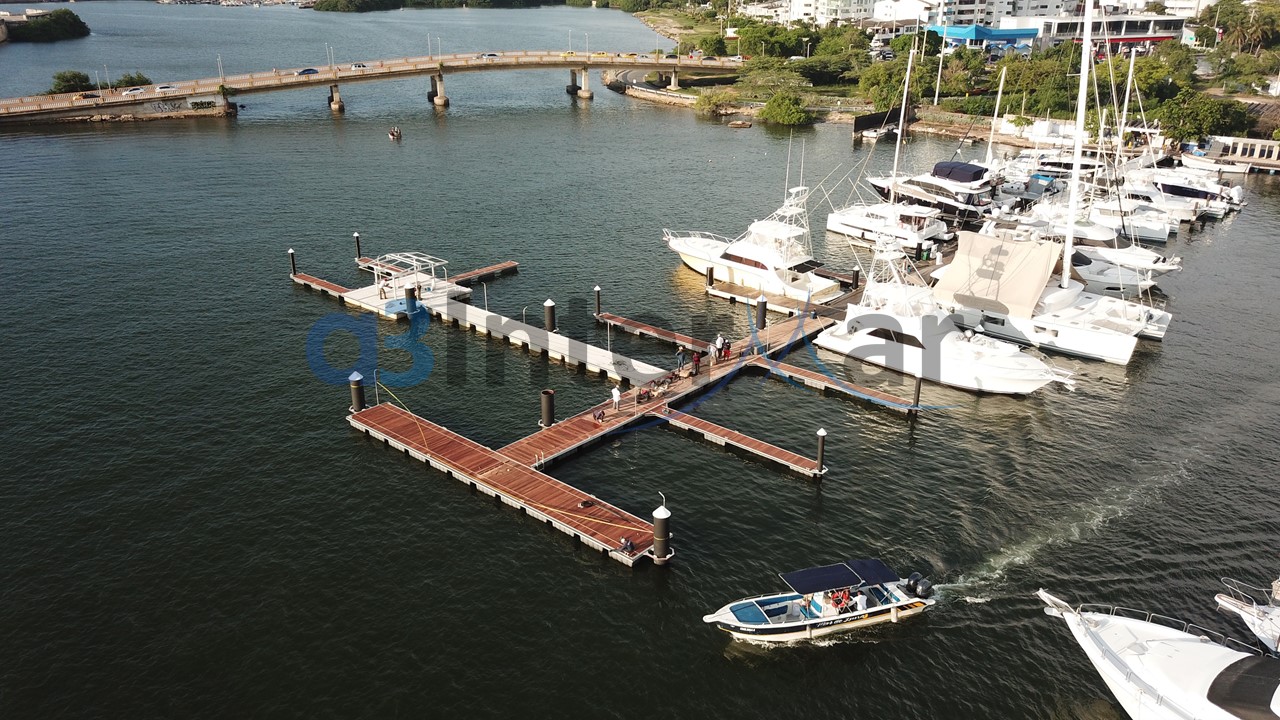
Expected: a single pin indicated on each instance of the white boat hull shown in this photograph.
(811, 288)
(1263, 620)
(1222, 166)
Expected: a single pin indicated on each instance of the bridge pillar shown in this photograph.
(438, 98)
(335, 100)
(675, 81)
(585, 93)
(572, 88)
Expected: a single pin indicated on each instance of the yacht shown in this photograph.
(1259, 608)
(1177, 208)
(772, 256)
(825, 600)
(963, 191)
(1099, 275)
(1160, 668)
(877, 133)
(898, 325)
(1133, 220)
(911, 226)
(1000, 286)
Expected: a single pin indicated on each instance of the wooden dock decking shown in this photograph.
(636, 327)
(734, 292)
(721, 435)
(315, 283)
(577, 514)
(821, 382)
(485, 273)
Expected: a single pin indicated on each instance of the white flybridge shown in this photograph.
(898, 325)
(1159, 668)
(1259, 608)
(772, 256)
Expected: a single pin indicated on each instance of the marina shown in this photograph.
(192, 527)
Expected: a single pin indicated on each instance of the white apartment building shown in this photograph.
(1128, 29)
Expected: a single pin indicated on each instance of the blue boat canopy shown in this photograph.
(849, 574)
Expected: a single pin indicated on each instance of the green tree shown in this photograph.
(1157, 7)
(69, 81)
(786, 108)
(1275, 134)
(715, 101)
(767, 82)
(57, 25)
(712, 45)
(130, 80)
(1192, 115)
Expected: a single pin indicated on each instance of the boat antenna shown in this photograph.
(786, 181)
(1082, 97)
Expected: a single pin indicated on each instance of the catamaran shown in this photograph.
(826, 600)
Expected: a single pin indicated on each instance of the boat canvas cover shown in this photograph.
(814, 580)
(872, 571)
(961, 172)
(995, 275)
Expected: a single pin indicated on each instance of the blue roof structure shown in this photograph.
(984, 34)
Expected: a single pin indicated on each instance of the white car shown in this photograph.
(358, 66)
(133, 91)
(165, 88)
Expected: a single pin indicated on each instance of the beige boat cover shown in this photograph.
(997, 275)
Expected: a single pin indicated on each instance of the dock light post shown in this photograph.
(293, 263)
(597, 288)
(221, 77)
(357, 392)
(661, 533)
(570, 40)
(97, 81)
(524, 314)
(485, 285)
(356, 235)
(549, 315)
(822, 450)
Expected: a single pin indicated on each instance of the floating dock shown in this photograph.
(723, 436)
(826, 384)
(584, 517)
(635, 327)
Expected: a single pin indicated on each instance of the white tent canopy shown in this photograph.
(997, 275)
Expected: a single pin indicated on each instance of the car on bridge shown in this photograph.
(307, 71)
(487, 56)
(599, 53)
(568, 54)
(358, 66)
(133, 91)
(165, 88)
(85, 96)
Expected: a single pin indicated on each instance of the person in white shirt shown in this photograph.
(860, 602)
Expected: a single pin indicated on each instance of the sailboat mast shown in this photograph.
(1082, 95)
(1124, 110)
(902, 125)
(995, 116)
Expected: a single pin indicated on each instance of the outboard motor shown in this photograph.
(924, 589)
(912, 581)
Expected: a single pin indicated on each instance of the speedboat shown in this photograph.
(912, 226)
(1198, 161)
(394, 133)
(825, 600)
(1176, 208)
(1263, 618)
(877, 133)
(898, 325)
(1160, 668)
(772, 256)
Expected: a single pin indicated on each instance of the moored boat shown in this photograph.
(1160, 668)
(1261, 616)
(1204, 162)
(825, 600)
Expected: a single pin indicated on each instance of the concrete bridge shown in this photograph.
(215, 96)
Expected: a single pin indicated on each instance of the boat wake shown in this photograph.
(984, 583)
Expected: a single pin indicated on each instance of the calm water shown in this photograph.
(188, 528)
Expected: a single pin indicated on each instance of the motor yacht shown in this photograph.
(964, 192)
(911, 226)
(1259, 608)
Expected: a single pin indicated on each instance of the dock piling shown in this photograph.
(856, 273)
(711, 275)
(661, 535)
(548, 408)
(357, 392)
(597, 301)
(410, 300)
(915, 401)
(356, 235)
(762, 307)
(549, 315)
(822, 451)
(293, 263)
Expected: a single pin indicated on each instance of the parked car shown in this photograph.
(487, 56)
(710, 57)
(84, 96)
(307, 71)
(671, 57)
(133, 91)
(358, 66)
(165, 88)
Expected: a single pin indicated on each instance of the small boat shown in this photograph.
(1199, 161)
(740, 124)
(394, 133)
(877, 133)
(1263, 618)
(826, 600)
(1160, 668)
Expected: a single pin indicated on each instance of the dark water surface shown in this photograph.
(188, 528)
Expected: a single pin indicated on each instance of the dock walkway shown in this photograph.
(584, 517)
(825, 383)
(636, 327)
(470, 277)
(723, 436)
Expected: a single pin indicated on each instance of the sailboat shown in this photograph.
(898, 325)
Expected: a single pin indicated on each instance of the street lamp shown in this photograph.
(805, 40)
(571, 41)
(106, 76)
(586, 44)
(938, 83)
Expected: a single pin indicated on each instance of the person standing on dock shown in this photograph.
(680, 358)
(719, 346)
(617, 398)
(697, 360)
